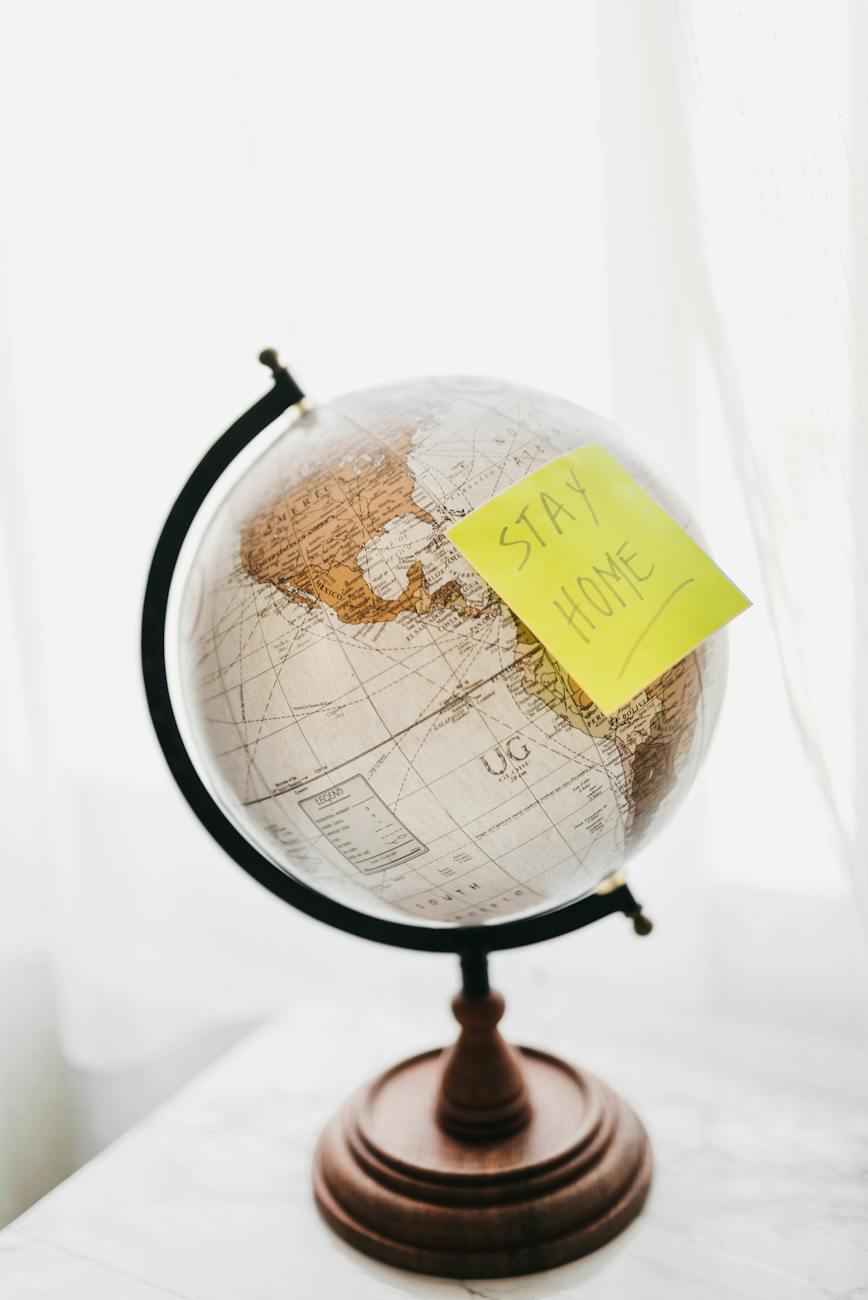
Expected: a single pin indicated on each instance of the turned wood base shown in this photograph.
(482, 1160)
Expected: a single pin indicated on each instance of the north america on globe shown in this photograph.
(369, 711)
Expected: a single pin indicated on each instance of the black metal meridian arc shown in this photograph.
(470, 942)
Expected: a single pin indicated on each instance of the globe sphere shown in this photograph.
(364, 707)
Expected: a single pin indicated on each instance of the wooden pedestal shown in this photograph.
(482, 1160)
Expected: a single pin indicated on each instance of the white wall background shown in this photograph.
(658, 209)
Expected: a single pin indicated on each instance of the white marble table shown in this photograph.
(761, 1188)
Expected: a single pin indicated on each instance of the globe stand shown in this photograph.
(482, 1160)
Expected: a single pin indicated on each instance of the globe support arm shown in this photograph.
(473, 943)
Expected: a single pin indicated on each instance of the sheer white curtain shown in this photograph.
(657, 209)
(734, 198)
(742, 183)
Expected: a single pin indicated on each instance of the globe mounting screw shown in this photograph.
(642, 924)
(270, 359)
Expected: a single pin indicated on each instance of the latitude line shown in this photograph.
(455, 700)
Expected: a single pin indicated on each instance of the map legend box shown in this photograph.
(361, 826)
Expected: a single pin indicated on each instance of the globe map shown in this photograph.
(369, 712)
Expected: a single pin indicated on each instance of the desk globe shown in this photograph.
(367, 728)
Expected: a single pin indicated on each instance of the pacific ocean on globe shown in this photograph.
(370, 713)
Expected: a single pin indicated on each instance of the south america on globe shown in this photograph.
(370, 713)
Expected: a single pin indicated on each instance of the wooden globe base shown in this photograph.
(482, 1160)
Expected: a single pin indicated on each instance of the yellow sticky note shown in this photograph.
(608, 582)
